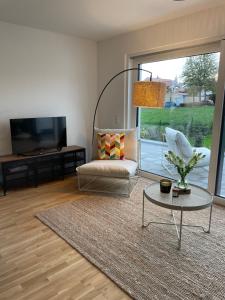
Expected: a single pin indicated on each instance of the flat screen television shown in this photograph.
(33, 136)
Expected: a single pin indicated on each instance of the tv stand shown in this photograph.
(39, 152)
(31, 170)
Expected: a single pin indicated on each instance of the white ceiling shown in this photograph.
(97, 19)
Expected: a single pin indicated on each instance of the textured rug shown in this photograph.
(145, 262)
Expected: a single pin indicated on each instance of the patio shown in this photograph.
(153, 161)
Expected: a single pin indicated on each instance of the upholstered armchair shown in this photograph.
(111, 175)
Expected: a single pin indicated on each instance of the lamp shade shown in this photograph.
(149, 93)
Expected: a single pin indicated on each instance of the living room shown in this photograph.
(61, 242)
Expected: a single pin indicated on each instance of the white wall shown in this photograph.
(113, 53)
(46, 74)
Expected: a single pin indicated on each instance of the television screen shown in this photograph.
(37, 134)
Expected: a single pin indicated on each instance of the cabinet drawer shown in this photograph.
(80, 155)
(48, 161)
(16, 167)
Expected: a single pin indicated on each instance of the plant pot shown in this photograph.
(182, 183)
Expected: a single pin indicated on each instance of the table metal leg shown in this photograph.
(180, 232)
(210, 219)
(143, 210)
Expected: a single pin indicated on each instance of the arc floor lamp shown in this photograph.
(145, 93)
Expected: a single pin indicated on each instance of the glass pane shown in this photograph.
(220, 189)
(188, 109)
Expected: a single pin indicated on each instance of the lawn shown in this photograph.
(194, 122)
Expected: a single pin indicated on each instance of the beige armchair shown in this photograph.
(111, 176)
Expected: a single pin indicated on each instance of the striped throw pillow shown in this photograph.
(110, 146)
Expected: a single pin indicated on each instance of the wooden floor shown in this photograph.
(34, 262)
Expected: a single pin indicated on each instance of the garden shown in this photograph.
(195, 123)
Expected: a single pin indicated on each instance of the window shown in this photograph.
(188, 108)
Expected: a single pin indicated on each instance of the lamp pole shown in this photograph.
(100, 96)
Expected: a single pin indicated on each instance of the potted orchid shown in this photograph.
(183, 168)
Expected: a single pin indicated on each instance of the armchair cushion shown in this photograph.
(130, 142)
(184, 145)
(109, 168)
(178, 143)
(110, 146)
(205, 161)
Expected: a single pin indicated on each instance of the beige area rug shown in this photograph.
(144, 262)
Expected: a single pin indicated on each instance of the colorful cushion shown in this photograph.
(130, 142)
(110, 146)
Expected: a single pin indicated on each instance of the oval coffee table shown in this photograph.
(197, 200)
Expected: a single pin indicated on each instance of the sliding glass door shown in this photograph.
(188, 110)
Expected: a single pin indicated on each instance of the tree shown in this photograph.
(199, 74)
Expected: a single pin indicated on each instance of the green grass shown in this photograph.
(207, 141)
(195, 121)
(179, 115)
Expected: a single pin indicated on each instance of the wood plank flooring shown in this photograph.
(35, 263)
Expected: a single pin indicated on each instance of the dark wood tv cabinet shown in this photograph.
(18, 170)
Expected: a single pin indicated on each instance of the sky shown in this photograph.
(167, 69)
